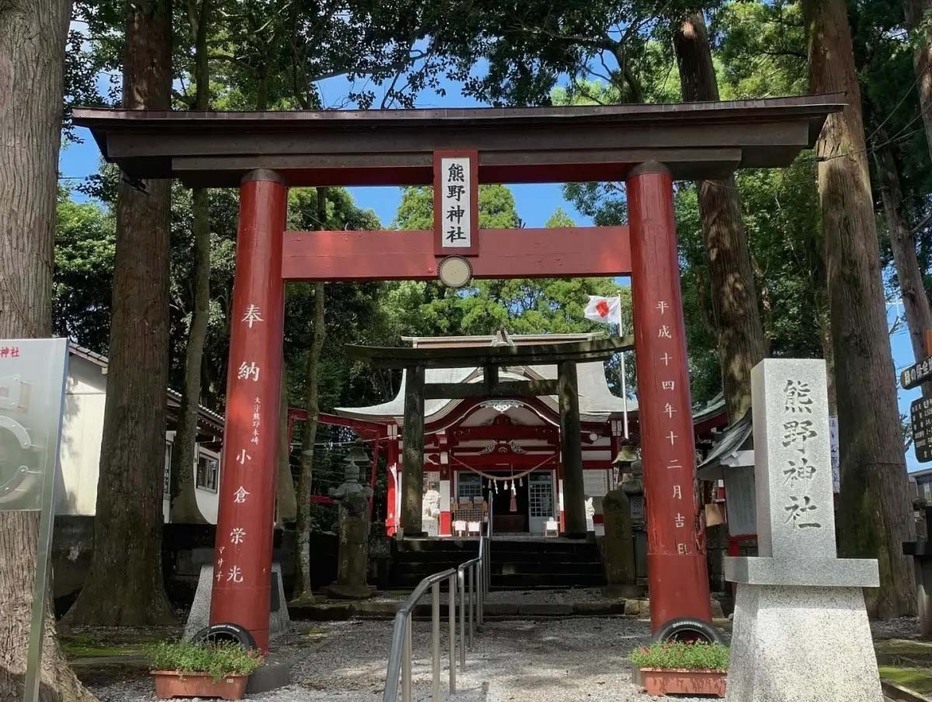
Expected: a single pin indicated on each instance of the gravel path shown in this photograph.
(559, 660)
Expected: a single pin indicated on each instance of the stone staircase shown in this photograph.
(516, 564)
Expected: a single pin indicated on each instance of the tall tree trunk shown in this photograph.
(903, 244)
(921, 28)
(32, 57)
(874, 510)
(184, 451)
(128, 525)
(741, 343)
(287, 507)
(302, 588)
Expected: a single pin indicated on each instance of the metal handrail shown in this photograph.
(400, 654)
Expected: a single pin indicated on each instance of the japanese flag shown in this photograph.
(604, 309)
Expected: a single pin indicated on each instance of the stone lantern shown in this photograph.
(353, 556)
(632, 485)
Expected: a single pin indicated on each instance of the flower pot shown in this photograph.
(170, 683)
(657, 682)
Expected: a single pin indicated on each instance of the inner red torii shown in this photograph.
(265, 153)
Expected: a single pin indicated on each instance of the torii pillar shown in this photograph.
(243, 557)
(677, 573)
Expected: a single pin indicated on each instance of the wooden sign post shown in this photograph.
(920, 411)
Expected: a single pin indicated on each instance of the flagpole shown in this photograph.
(624, 381)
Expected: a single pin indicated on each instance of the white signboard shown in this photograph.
(454, 199)
(455, 204)
(595, 483)
(32, 387)
(32, 391)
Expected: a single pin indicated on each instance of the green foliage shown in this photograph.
(83, 277)
(218, 660)
(761, 50)
(916, 679)
(681, 655)
(523, 306)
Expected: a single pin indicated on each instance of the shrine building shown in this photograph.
(492, 465)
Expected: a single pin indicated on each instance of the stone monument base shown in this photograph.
(199, 616)
(801, 644)
(350, 592)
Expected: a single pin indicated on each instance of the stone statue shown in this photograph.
(353, 555)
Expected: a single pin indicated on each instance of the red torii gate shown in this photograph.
(647, 146)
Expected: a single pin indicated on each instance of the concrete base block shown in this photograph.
(805, 572)
(802, 644)
(199, 616)
(273, 674)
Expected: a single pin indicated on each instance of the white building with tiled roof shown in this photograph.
(82, 430)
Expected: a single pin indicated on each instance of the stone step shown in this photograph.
(523, 581)
(530, 581)
(505, 569)
(515, 565)
(509, 568)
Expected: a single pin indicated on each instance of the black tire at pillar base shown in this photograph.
(223, 633)
(687, 629)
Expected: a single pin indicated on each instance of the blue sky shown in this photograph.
(535, 205)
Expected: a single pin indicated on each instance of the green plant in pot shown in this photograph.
(207, 669)
(681, 667)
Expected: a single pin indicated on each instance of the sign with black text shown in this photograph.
(916, 375)
(456, 203)
(920, 412)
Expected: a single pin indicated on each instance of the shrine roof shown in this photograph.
(596, 401)
(733, 439)
(489, 352)
(515, 145)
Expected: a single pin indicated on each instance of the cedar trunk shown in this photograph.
(286, 504)
(741, 343)
(184, 450)
(128, 524)
(32, 55)
(921, 29)
(903, 243)
(308, 437)
(874, 510)
(302, 588)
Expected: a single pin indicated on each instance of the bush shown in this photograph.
(681, 655)
(218, 659)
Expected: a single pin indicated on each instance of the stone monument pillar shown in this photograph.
(618, 546)
(800, 627)
(353, 555)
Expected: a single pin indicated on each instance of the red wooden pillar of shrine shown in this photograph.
(243, 554)
(676, 561)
